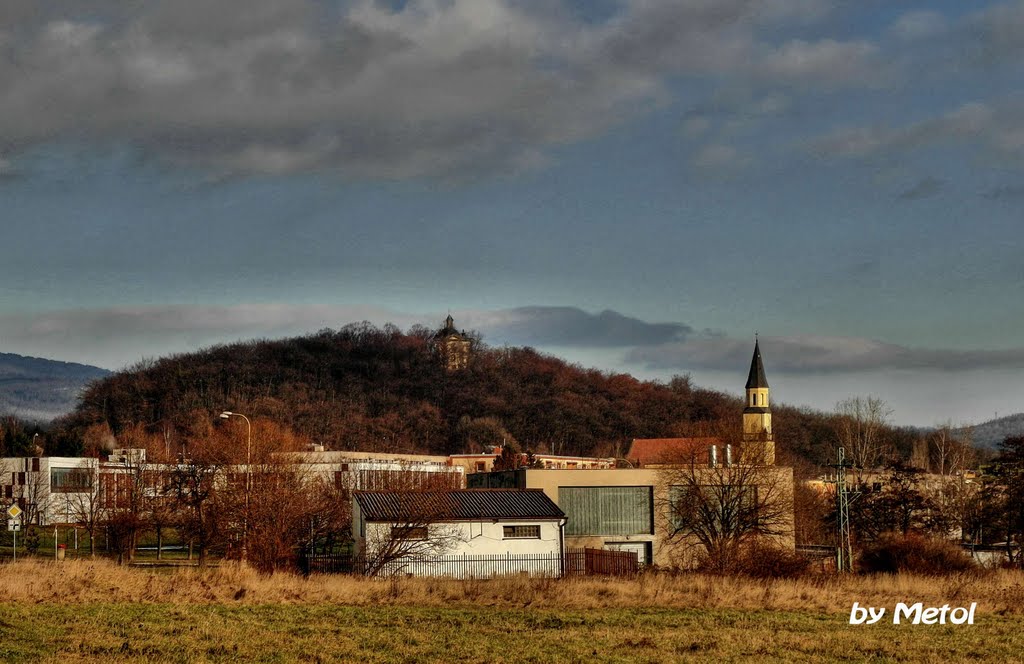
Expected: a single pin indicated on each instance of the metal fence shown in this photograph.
(575, 562)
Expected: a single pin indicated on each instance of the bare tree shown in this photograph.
(195, 486)
(282, 513)
(859, 426)
(950, 449)
(86, 510)
(715, 509)
(404, 527)
(123, 494)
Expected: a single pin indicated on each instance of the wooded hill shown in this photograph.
(369, 388)
(37, 389)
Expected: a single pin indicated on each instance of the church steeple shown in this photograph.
(756, 377)
(757, 415)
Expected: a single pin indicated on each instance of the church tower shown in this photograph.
(757, 415)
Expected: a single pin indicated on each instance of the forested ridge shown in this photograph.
(369, 388)
(38, 389)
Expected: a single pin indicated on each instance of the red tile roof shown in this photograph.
(652, 451)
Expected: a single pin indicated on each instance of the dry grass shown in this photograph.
(88, 611)
(89, 582)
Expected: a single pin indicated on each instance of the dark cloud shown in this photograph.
(820, 355)
(1002, 192)
(569, 326)
(430, 89)
(925, 188)
(117, 336)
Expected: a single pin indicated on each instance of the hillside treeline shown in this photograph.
(369, 388)
(378, 389)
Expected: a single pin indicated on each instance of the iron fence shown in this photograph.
(575, 562)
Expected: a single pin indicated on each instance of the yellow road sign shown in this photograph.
(14, 511)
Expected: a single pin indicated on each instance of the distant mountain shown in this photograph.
(989, 434)
(34, 388)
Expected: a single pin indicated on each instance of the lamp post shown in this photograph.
(227, 414)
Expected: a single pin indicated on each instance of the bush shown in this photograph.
(760, 560)
(763, 560)
(895, 553)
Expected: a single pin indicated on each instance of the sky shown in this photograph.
(634, 185)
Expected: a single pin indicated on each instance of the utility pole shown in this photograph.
(844, 497)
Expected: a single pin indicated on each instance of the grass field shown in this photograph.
(95, 611)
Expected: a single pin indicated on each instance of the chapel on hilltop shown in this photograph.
(453, 347)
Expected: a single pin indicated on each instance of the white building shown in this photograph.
(470, 532)
(378, 471)
(49, 489)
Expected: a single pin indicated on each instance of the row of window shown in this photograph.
(508, 532)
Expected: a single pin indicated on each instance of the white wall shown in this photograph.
(480, 538)
(49, 506)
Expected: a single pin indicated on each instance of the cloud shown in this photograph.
(994, 34)
(996, 128)
(925, 188)
(819, 355)
(1008, 191)
(718, 158)
(826, 61)
(292, 86)
(426, 88)
(569, 326)
(917, 25)
(117, 336)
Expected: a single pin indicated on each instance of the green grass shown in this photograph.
(66, 536)
(328, 632)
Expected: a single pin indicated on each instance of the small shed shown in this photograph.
(492, 531)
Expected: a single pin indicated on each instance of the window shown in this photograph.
(521, 532)
(481, 466)
(718, 506)
(35, 464)
(409, 532)
(70, 480)
(612, 510)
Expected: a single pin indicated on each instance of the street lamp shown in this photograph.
(227, 414)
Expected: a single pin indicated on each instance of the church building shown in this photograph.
(453, 347)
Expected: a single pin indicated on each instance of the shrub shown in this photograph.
(761, 560)
(764, 560)
(915, 553)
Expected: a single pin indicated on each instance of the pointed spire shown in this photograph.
(449, 323)
(756, 377)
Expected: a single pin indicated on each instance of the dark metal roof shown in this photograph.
(756, 378)
(449, 329)
(462, 505)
